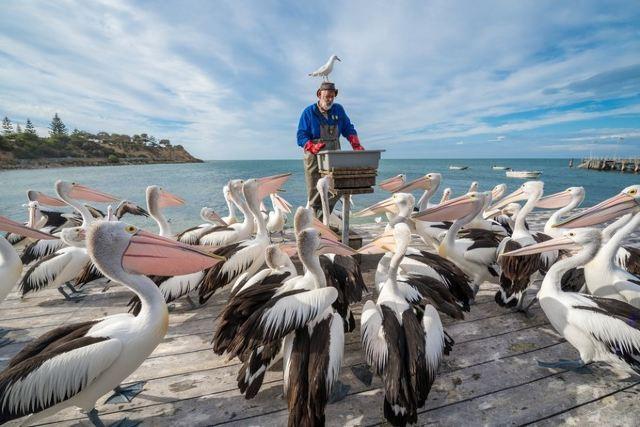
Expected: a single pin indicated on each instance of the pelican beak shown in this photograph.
(15, 227)
(213, 215)
(338, 59)
(148, 253)
(550, 245)
(391, 184)
(282, 203)
(43, 199)
(555, 201)
(498, 191)
(611, 208)
(271, 184)
(516, 196)
(167, 199)
(82, 192)
(386, 205)
(327, 246)
(449, 210)
(325, 231)
(381, 244)
(423, 183)
(491, 213)
(289, 248)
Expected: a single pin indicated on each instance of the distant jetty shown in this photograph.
(611, 164)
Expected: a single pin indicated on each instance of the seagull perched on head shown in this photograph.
(326, 69)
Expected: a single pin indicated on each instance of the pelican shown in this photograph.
(518, 273)
(157, 199)
(232, 218)
(419, 266)
(446, 195)
(35, 220)
(191, 235)
(474, 253)
(247, 255)
(601, 329)
(565, 201)
(232, 233)
(67, 263)
(405, 351)
(326, 69)
(603, 276)
(278, 216)
(74, 365)
(302, 314)
(479, 222)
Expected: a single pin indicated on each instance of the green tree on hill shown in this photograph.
(29, 128)
(7, 127)
(57, 128)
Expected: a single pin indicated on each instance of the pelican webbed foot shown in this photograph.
(338, 392)
(363, 373)
(125, 394)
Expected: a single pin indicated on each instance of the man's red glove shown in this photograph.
(355, 142)
(314, 147)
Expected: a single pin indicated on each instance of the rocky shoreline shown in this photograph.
(14, 164)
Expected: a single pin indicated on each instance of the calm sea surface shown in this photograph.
(201, 183)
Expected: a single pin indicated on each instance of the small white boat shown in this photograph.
(500, 168)
(523, 174)
(457, 168)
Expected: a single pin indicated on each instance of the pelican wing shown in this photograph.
(434, 340)
(614, 323)
(190, 235)
(14, 238)
(251, 373)
(284, 313)
(373, 337)
(40, 249)
(218, 235)
(88, 274)
(44, 271)
(325, 358)
(55, 375)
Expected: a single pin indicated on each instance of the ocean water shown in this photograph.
(200, 184)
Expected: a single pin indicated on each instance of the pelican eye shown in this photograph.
(572, 234)
(130, 229)
(633, 191)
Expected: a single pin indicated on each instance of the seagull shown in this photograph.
(326, 69)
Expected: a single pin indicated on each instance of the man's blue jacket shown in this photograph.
(311, 119)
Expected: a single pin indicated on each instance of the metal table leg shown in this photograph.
(346, 202)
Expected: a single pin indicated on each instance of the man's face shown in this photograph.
(326, 99)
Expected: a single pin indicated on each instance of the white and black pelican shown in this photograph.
(232, 233)
(277, 218)
(247, 255)
(302, 314)
(158, 199)
(64, 265)
(475, 252)
(192, 234)
(601, 329)
(603, 276)
(564, 201)
(518, 273)
(405, 351)
(74, 365)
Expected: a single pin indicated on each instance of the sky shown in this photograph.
(420, 79)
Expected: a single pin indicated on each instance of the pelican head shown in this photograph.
(119, 250)
(461, 207)
(425, 182)
(628, 201)
(66, 189)
(158, 197)
(569, 240)
(498, 191)
(73, 236)
(126, 206)
(209, 215)
(526, 190)
(562, 198)
(473, 187)
(311, 244)
(302, 219)
(335, 58)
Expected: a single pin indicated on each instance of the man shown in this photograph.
(320, 127)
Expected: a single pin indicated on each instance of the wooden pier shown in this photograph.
(490, 378)
(611, 164)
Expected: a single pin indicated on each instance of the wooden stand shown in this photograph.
(350, 181)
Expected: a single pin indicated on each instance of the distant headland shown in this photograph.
(22, 148)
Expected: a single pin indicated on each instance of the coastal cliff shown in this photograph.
(26, 150)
